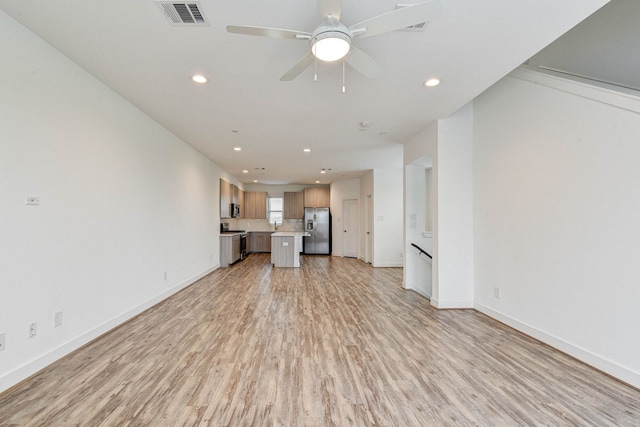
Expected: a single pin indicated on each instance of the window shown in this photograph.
(274, 206)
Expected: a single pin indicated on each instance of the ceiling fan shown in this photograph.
(331, 40)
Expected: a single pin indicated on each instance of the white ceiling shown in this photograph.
(131, 47)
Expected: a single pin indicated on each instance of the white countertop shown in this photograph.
(290, 234)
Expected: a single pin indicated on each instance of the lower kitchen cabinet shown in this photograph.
(229, 249)
(259, 241)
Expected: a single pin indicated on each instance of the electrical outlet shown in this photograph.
(33, 329)
(32, 200)
(165, 276)
(496, 292)
(2, 345)
(57, 319)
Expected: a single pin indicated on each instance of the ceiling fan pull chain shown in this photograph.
(344, 88)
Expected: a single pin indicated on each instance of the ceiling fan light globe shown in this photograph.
(330, 46)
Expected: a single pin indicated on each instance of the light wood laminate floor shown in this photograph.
(335, 342)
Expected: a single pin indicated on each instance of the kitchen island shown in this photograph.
(286, 247)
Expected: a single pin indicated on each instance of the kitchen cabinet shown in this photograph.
(286, 248)
(255, 205)
(241, 202)
(259, 241)
(230, 193)
(226, 195)
(235, 194)
(316, 197)
(293, 205)
(229, 249)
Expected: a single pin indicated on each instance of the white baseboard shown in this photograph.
(605, 365)
(29, 368)
(443, 305)
(421, 292)
(412, 287)
(387, 264)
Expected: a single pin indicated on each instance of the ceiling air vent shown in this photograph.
(183, 13)
(416, 27)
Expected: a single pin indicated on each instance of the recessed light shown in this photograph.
(317, 182)
(198, 78)
(307, 150)
(234, 130)
(323, 171)
(237, 148)
(245, 171)
(432, 82)
(255, 180)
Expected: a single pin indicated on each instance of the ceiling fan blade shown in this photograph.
(363, 63)
(300, 66)
(330, 7)
(398, 19)
(277, 33)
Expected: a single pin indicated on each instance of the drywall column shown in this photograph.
(455, 211)
(448, 143)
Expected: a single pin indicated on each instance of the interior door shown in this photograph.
(350, 228)
(368, 237)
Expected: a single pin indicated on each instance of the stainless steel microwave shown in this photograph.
(235, 210)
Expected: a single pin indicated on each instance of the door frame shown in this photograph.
(368, 236)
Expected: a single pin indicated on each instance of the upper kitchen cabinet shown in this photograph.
(226, 198)
(240, 203)
(230, 193)
(235, 197)
(293, 205)
(255, 205)
(316, 197)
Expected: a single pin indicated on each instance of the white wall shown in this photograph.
(387, 226)
(122, 201)
(556, 200)
(388, 201)
(341, 191)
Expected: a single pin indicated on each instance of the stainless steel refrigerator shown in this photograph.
(317, 222)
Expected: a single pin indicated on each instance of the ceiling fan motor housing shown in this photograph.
(330, 42)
